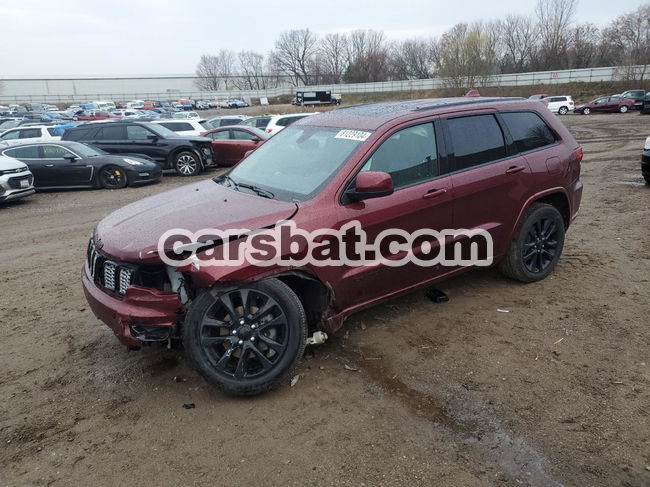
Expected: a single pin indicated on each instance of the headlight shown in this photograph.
(133, 162)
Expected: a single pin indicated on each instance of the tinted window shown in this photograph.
(52, 131)
(79, 133)
(30, 133)
(476, 140)
(11, 135)
(220, 135)
(55, 152)
(241, 135)
(177, 126)
(409, 156)
(229, 121)
(110, 133)
(30, 152)
(528, 130)
(136, 132)
(285, 122)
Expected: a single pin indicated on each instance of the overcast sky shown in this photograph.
(118, 37)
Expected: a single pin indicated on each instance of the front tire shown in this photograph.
(537, 245)
(248, 340)
(187, 163)
(623, 109)
(112, 177)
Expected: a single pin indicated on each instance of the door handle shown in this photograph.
(434, 193)
(49, 165)
(515, 169)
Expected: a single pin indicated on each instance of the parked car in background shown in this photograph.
(318, 97)
(135, 104)
(560, 104)
(33, 133)
(645, 161)
(222, 121)
(184, 127)
(234, 103)
(637, 95)
(120, 113)
(188, 156)
(244, 327)
(187, 104)
(257, 122)
(230, 144)
(90, 115)
(16, 180)
(279, 122)
(8, 123)
(104, 105)
(645, 109)
(187, 115)
(606, 104)
(75, 165)
(202, 105)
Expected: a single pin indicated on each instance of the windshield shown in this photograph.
(295, 164)
(162, 131)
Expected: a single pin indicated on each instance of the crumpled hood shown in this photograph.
(132, 232)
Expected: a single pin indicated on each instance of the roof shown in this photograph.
(373, 115)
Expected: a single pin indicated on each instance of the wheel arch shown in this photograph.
(556, 197)
(178, 150)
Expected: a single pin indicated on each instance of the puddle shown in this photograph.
(474, 423)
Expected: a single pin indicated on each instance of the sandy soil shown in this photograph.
(555, 392)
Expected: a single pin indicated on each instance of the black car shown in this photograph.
(645, 108)
(187, 155)
(75, 165)
(636, 95)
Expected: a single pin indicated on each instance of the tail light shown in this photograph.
(570, 103)
(269, 130)
(578, 154)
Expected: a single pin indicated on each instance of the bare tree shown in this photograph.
(517, 39)
(368, 55)
(630, 35)
(414, 59)
(332, 58)
(294, 52)
(465, 56)
(212, 70)
(554, 17)
(251, 71)
(207, 73)
(583, 46)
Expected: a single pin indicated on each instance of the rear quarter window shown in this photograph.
(78, 133)
(528, 130)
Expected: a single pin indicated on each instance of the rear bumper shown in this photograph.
(139, 307)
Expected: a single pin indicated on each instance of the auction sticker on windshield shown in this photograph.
(359, 135)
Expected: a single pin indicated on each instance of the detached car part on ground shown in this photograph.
(61, 164)
(16, 180)
(188, 156)
(507, 166)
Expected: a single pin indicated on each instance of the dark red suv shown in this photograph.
(504, 166)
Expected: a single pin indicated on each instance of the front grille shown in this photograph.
(113, 276)
(14, 183)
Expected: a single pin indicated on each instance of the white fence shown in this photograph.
(173, 88)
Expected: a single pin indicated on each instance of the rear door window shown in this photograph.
(241, 135)
(475, 140)
(115, 132)
(137, 132)
(29, 152)
(528, 130)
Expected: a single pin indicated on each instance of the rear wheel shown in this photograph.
(563, 110)
(537, 245)
(112, 177)
(187, 163)
(586, 111)
(248, 340)
(622, 109)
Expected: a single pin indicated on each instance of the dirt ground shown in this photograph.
(555, 392)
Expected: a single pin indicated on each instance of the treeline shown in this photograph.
(469, 53)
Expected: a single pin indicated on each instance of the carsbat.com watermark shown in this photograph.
(287, 245)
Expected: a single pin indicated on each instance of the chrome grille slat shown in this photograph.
(114, 276)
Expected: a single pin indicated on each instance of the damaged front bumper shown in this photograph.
(142, 315)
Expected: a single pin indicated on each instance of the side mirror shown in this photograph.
(255, 139)
(371, 184)
(70, 158)
(152, 137)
